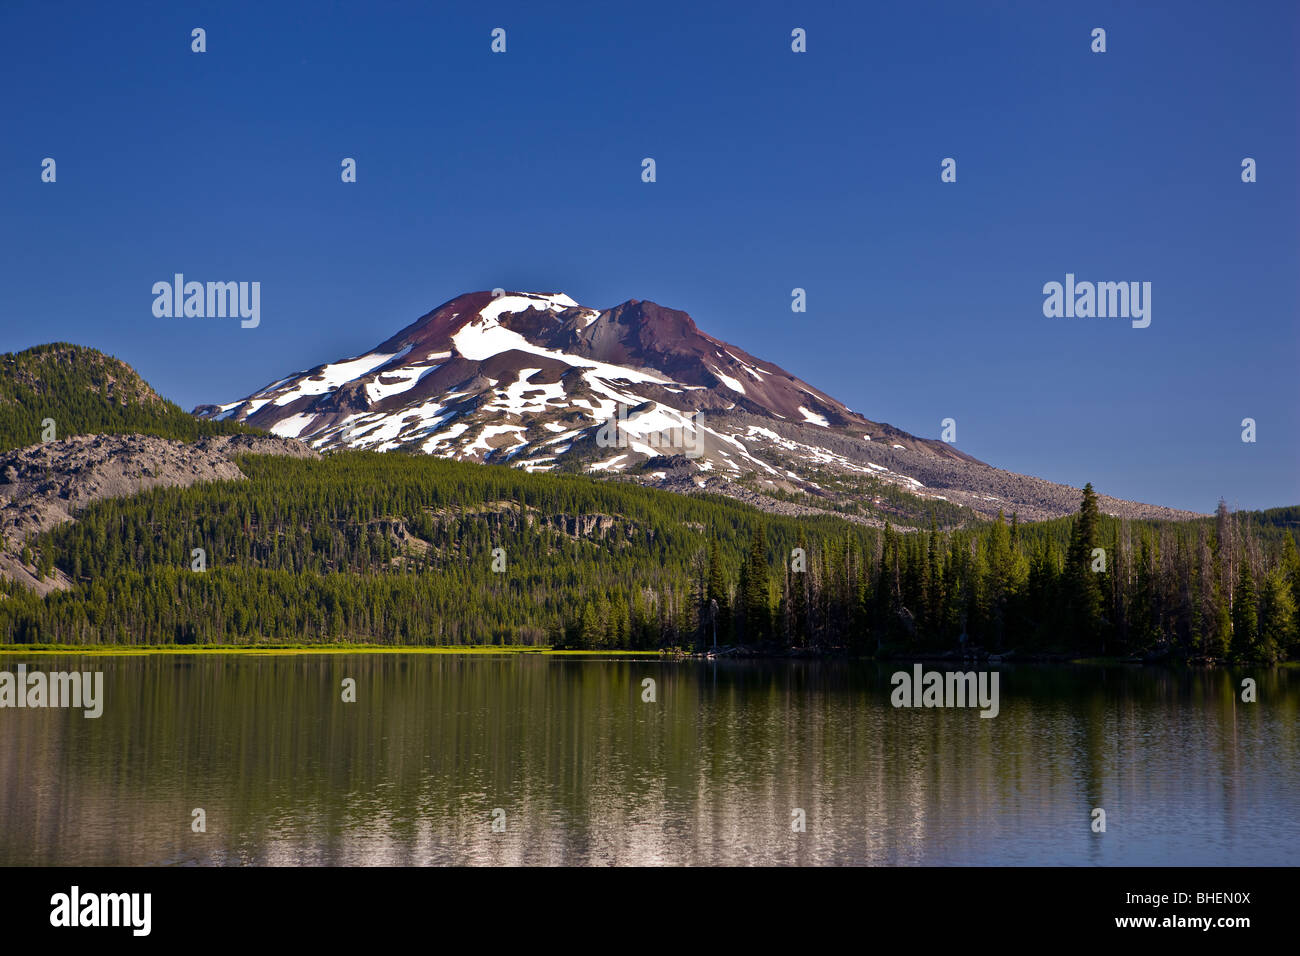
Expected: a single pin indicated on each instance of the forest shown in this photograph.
(395, 549)
(79, 391)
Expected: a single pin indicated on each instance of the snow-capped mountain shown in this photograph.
(542, 383)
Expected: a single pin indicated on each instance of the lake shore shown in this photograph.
(728, 652)
(127, 650)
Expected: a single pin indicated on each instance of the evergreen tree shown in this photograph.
(590, 631)
(934, 597)
(1001, 583)
(1083, 590)
(758, 611)
(798, 589)
(1220, 636)
(1290, 566)
(717, 607)
(1277, 616)
(1245, 616)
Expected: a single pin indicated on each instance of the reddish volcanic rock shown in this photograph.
(533, 380)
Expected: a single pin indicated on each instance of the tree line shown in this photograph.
(1221, 589)
(398, 549)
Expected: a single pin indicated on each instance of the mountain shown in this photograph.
(73, 390)
(48, 484)
(539, 382)
(78, 426)
(100, 533)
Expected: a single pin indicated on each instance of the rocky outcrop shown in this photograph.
(45, 485)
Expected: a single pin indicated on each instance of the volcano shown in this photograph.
(539, 382)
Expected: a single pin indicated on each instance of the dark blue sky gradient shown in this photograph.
(775, 170)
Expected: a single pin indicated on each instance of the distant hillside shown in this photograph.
(1288, 518)
(358, 546)
(87, 392)
(48, 484)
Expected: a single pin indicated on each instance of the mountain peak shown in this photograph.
(538, 381)
(538, 364)
(433, 330)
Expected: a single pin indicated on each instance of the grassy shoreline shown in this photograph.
(127, 650)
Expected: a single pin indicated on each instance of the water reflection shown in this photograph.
(587, 773)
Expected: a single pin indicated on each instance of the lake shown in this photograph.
(571, 766)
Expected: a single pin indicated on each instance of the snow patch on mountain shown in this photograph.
(329, 377)
(532, 379)
(727, 380)
(814, 418)
(292, 426)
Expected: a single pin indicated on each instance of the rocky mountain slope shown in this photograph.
(537, 381)
(47, 484)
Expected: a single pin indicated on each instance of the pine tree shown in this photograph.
(1225, 538)
(1277, 616)
(798, 587)
(887, 598)
(716, 591)
(1245, 616)
(758, 611)
(933, 585)
(743, 597)
(1220, 636)
(1000, 578)
(1083, 590)
(1290, 566)
(590, 630)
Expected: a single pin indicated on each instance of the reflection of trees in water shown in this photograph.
(587, 773)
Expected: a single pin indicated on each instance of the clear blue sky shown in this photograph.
(775, 170)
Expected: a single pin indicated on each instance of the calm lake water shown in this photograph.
(587, 773)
